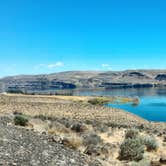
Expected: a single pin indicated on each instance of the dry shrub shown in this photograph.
(132, 133)
(131, 149)
(150, 143)
(99, 150)
(72, 141)
(58, 131)
(78, 127)
(92, 139)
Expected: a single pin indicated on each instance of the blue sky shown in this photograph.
(46, 36)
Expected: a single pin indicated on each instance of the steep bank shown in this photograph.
(85, 80)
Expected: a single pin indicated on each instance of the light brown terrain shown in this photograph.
(74, 107)
(74, 121)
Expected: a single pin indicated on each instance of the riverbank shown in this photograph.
(52, 98)
(76, 107)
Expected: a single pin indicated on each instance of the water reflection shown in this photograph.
(124, 92)
(157, 104)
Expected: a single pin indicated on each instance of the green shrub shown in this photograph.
(136, 101)
(78, 127)
(150, 143)
(20, 120)
(102, 128)
(92, 139)
(131, 149)
(98, 101)
(132, 133)
(97, 150)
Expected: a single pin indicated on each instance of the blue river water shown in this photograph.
(152, 101)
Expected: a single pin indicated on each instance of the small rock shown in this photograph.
(72, 161)
(164, 140)
(56, 139)
(155, 163)
(163, 159)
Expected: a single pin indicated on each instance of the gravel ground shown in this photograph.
(23, 147)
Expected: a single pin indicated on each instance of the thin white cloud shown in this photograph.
(54, 65)
(49, 66)
(105, 65)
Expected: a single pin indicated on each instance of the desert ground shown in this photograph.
(99, 135)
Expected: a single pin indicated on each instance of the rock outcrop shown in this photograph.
(85, 80)
(161, 77)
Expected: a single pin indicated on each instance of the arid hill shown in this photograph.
(85, 79)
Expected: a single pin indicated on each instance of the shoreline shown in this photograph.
(77, 100)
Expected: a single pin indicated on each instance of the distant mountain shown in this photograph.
(85, 80)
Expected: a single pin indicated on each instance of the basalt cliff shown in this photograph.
(85, 80)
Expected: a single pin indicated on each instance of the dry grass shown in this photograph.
(69, 138)
(55, 110)
(72, 141)
(49, 98)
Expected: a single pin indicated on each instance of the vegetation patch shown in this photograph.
(20, 120)
(132, 133)
(91, 139)
(78, 127)
(131, 149)
(99, 101)
(150, 143)
(72, 141)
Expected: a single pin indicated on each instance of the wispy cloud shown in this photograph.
(54, 65)
(106, 66)
(49, 66)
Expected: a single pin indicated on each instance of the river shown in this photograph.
(152, 101)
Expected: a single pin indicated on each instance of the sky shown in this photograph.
(47, 36)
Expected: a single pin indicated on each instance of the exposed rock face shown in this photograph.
(136, 74)
(117, 85)
(161, 77)
(78, 79)
(39, 85)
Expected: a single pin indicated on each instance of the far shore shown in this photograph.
(105, 99)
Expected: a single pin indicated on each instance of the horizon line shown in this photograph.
(99, 71)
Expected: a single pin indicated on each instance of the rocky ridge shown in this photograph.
(85, 80)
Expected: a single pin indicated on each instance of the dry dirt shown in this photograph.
(108, 123)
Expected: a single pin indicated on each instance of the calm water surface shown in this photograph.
(152, 101)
